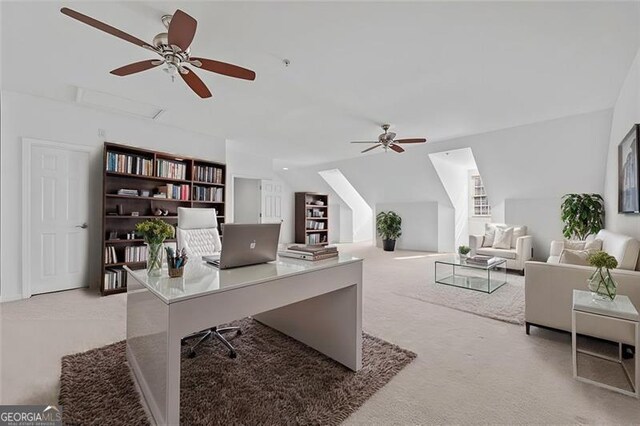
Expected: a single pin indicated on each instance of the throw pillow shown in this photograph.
(574, 244)
(518, 231)
(489, 233)
(503, 237)
(593, 245)
(574, 257)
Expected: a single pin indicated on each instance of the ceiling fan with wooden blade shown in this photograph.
(388, 141)
(174, 48)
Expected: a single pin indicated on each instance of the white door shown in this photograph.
(271, 194)
(59, 210)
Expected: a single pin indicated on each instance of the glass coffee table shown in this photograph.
(460, 273)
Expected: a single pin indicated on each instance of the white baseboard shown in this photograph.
(10, 298)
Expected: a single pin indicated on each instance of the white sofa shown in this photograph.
(549, 285)
(521, 249)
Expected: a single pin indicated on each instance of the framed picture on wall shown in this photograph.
(629, 172)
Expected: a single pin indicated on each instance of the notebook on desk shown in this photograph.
(246, 244)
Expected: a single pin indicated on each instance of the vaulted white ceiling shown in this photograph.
(436, 70)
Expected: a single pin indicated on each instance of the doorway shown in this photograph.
(56, 217)
(247, 203)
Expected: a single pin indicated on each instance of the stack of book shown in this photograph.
(309, 252)
(128, 192)
(483, 260)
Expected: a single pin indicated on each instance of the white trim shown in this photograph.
(27, 146)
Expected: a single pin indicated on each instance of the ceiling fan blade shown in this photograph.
(369, 149)
(396, 148)
(182, 29)
(224, 68)
(195, 83)
(103, 27)
(415, 140)
(136, 67)
(365, 142)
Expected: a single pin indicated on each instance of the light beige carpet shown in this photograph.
(469, 370)
(505, 303)
(275, 380)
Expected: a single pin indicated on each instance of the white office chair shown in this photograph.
(197, 233)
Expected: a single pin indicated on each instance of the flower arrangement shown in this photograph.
(155, 231)
(601, 282)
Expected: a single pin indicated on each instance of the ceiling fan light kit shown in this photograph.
(174, 47)
(387, 140)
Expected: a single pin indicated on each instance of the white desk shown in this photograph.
(317, 303)
(615, 320)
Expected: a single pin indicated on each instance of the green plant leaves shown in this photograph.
(389, 225)
(582, 214)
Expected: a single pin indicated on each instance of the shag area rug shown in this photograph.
(504, 304)
(275, 380)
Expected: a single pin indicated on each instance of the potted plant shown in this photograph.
(463, 251)
(601, 282)
(154, 232)
(582, 214)
(389, 226)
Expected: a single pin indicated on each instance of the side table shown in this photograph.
(616, 320)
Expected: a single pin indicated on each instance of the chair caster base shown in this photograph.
(191, 354)
(232, 355)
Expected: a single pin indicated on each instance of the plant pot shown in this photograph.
(154, 259)
(388, 245)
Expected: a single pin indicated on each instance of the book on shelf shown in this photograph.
(110, 255)
(127, 163)
(201, 193)
(315, 225)
(171, 169)
(135, 254)
(114, 279)
(484, 260)
(318, 238)
(315, 213)
(208, 174)
(174, 192)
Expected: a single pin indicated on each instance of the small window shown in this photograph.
(481, 205)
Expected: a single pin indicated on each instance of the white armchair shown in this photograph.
(549, 285)
(521, 249)
(197, 231)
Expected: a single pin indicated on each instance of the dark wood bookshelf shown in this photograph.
(305, 205)
(151, 181)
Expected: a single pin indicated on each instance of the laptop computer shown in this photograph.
(246, 244)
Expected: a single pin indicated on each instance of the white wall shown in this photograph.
(420, 225)
(39, 118)
(247, 202)
(248, 165)
(625, 114)
(542, 218)
(540, 160)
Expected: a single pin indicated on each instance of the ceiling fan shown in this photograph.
(387, 141)
(173, 48)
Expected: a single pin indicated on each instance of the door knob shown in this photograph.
(83, 226)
